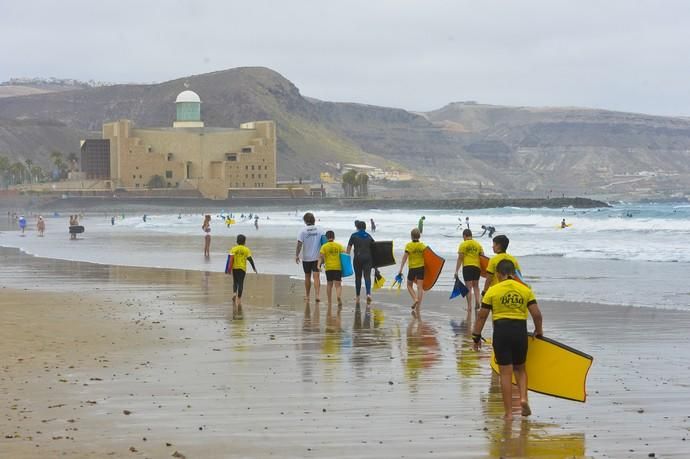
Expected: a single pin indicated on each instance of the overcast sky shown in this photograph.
(419, 55)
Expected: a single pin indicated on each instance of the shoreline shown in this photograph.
(91, 203)
(98, 340)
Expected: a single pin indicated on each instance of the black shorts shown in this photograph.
(510, 341)
(415, 274)
(310, 267)
(470, 273)
(334, 275)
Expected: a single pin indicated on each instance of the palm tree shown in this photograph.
(349, 182)
(56, 157)
(362, 182)
(4, 168)
(29, 163)
(37, 173)
(17, 172)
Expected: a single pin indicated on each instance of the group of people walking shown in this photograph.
(503, 295)
(316, 249)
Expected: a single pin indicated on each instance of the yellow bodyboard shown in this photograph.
(555, 369)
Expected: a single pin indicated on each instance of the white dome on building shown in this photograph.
(188, 96)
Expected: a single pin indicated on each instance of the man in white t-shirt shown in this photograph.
(309, 244)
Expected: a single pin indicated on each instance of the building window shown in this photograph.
(136, 185)
(168, 174)
(134, 176)
(139, 175)
(246, 149)
(252, 175)
(150, 149)
(168, 184)
(252, 167)
(231, 157)
(246, 168)
(170, 156)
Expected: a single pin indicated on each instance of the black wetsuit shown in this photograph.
(362, 261)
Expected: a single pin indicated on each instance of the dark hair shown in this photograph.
(415, 234)
(241, 239)
(467, 232)
(309, 218)
(503, 241)
(330, 235)
(360, 225)
(505, 268)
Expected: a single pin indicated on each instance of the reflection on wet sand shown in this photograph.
(423, 350)
(525, 438)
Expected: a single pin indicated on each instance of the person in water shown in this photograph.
(414, 250)
(206, 228)
(488, 228)
(41, 225)
(499, 246)
(363, 260)
(330, 258)
(420, 224)
(509, 302)
(22, 223)
(73, 221)
(309, 244)
(563, 224)
(373, 225)
(469, 252)
(240, 256)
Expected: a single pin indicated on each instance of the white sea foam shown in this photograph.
(602, 249)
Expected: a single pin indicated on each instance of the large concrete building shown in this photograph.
(187, 156)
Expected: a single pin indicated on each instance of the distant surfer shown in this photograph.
(112, 221)
(467, 222)
(363, 259)
(563, 224)
(373, 225)
(329, 256)
(309, 244)
(469, 252)
(256, 222)
(144, 218)
(73, 221)
(414, 250)
(488, 228)
(420, 224)
(41, 225)
(206, 228)
(509, 302)
(499, 246)
(240, 256)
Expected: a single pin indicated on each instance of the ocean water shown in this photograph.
(636, 255)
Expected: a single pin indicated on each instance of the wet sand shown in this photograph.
(105, 361)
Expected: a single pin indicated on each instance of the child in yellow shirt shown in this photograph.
(415, 275)
(330, 257)
(240, 256)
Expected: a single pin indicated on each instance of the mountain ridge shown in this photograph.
(463, 148)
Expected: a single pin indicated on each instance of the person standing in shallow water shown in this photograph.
(309, 244)
(206, 228)
(363, 260)
(509, 302)
(41, 225)
(414, 250)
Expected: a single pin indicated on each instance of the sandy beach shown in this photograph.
(104, 361)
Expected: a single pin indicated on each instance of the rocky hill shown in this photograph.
(461, 149)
